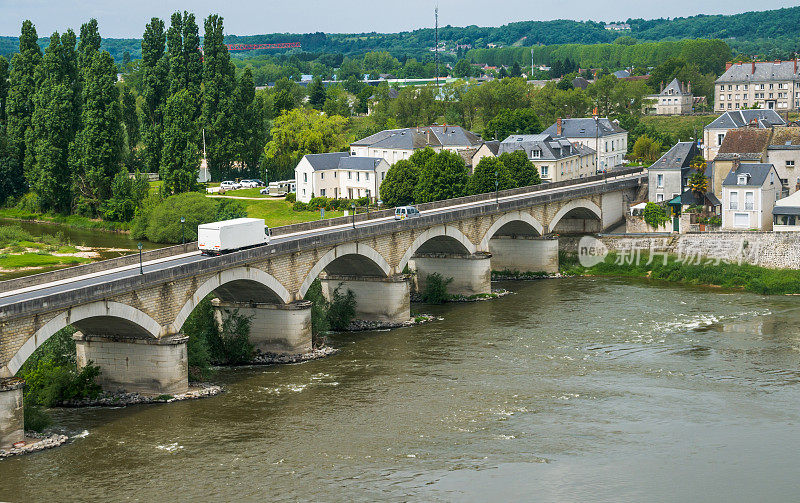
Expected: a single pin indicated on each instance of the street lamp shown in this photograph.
(183, 234)
(496, 188)
(139, 245)
(353, 208)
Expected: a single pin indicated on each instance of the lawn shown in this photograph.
(278, 212)
(679, 125)
(247, 193)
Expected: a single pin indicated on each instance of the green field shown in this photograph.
(279, 212)
(37, 260)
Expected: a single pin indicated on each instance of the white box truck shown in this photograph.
(216, 238)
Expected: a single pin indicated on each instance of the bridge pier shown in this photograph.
(12, 421)
(472, 274)
(147, 366)
(377, 299)
(524, 254)
(274, 328)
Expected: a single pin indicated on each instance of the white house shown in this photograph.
(749, 193)
(602, 135)
(786, 214)
(339, 175)
(396, 144)
(675, 99)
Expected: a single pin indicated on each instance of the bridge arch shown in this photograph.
(242, 284)
(94, 318)
(348, 259)
(578, 206)
(449, 238)
(516, 220)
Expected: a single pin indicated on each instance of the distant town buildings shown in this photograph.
(602, 135)
(618, 26)
(773, 85)
(675, 99)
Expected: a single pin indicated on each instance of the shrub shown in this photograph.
(12, 235)
(49, 384)
(436, 289)
(655, 215)
(30, 202)
(159, 220)
(341, 309)
(362, 201)
(228, 209)
(316, 203)
(291, 197)
(230, 343)
(36, 419)
(319, 312)
(199, 327)
(298, 206)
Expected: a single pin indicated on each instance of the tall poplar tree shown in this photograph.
(180, 156)
(52, 125)
(252, 136)
(3, 90)
(97, 151)
(219, 100)
(185, 58)
(20, 96)
(155, 89)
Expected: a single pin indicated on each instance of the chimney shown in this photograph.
(795, 65)
(754, 68)
(728, 65)
(662, 87)
(559, 129)
(689, 90)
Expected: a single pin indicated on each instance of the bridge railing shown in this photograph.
(94, 267)
(362, 217)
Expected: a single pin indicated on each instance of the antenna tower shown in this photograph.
(436, 47)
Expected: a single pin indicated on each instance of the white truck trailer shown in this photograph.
(216, 238)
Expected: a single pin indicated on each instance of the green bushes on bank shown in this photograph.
(435, 291)
(748, 277)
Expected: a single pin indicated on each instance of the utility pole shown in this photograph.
(436, 48)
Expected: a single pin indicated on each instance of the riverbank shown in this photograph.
(108, 399)
(35, 443)
(704, 272)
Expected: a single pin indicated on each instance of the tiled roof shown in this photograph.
(745, 141)
(585, 128)
(550, 148)
(678, 157)
(421, 137)
(741, 118)
(785, 138)
(764, 71)
(342, 160)
(676, 89)
(757, 174)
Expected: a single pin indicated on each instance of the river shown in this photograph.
(585, 389)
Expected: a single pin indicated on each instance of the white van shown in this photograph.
(404, 212)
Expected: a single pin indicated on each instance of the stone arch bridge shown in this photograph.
(130, 324)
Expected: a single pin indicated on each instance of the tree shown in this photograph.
(316, 93)
(180, 159)
(20, 94)
(416, 106)
(155, 90)
(299, 132)
(3, 90)
(646, 149)
(219, 99)
(488, 171)
(520, 168)
(508, 122)
(444, 176)
(463, 69)
(655, 215)
(397, 189)
(252, 135)
(52, 125)
(130, 116)
(95, 157)
(185, 58)
(697, 182)
(127, 195)
(337, 102)
(515, 71)
(12, 183)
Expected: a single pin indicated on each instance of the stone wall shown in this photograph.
(524, 254)
(377, 299)
(274, 328)
(471, 274)
(11, 416)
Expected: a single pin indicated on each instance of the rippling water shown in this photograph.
(569, 390)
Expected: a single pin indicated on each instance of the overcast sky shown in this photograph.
(127, 18)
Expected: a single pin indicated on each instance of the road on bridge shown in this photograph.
(61, 286)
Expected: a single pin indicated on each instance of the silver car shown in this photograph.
(403, 212)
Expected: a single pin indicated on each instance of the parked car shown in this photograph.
(249, 184)
(229, 185)
(259, 183)
(403, 212)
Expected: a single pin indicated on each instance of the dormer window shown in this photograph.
(535, 154)
(741, 179)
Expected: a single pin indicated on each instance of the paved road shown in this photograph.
(12, 297)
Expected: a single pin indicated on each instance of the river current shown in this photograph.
(585, 389)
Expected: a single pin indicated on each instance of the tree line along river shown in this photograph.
(578, 389)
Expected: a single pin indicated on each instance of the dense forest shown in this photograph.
(767, 33)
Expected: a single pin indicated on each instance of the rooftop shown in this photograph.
(585, 127)
(745, 141)
(751, 117)
(760, 71)
(342, 160)
(421, 137)
(678, 157)
(550, 148)
(756, 174)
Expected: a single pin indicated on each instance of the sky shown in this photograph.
(126, 18)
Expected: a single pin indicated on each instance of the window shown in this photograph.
(734, 200)
(741, 220)
(741, 180)
(383, 175)
(790, 164)
(349, 175)
(544, 170)
(367, 193)
(366, 176)
(720, 137)
(659, 180)
(322, 176)
(748, 200)
(322, 192)
(305, 178)
(358, 176)
(535, 154)
(659, 198)
(304, 191)
(772, 178)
